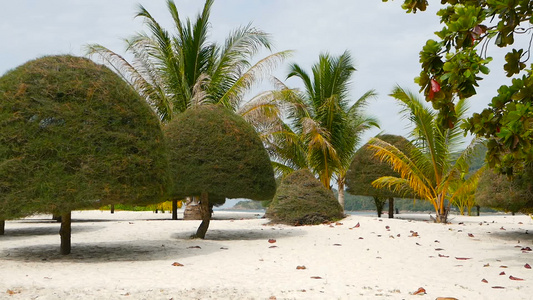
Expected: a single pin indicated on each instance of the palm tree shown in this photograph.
(323, 129)
(174, 72)
(429, 169)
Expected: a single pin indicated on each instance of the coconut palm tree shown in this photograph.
(323, 128)
(174, 72)
(429, 169)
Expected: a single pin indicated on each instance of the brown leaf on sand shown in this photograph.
(194, 247)
(463, 258)
(338, 224)
(420, 291)
(501, 228)
(387, 227)
(177, 264)
(301, 268)
(498, 287)
(446, 298)
(470, 235)
(272, 241)
(272, 298)
(525, 249)
(503, 267)
(337, 245)
(502, 273)
(316, 277)
(484, 280)
(515, 278)
(414, 233)
(273, 247)
(527, 266)
(445, 256)
(12, 292)
(486, 265)
(438, 249)
(357, 225)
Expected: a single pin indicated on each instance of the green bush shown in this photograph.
(75, 135)
(302, 200)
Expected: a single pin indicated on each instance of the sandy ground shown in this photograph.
(142, 255)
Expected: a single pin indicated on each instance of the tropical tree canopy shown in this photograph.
(508, 194)
(179, 68)
(366, 168)
(322, 128)
(75, 135)
(428, 169)
(212, 150)
(454, 63)
(302, 200)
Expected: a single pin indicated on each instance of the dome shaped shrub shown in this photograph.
(302, 200)
(75, 135)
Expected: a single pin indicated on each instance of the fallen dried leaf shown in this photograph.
(484, 280)
(515, 278)
(194, 247)
(273, 247)
(387, 227)
(438, 249)
(360, 238)
(446, 298)
(223, 248)
(272, 241)
(316, 277)
(420, 291)
(502, 273)
(487, 265)
(527, 266)
(357, 225)
(338, 224)
(11, 292)
(498, 287)
(526, 249)
(446, 256)
(337, 245)
(398, 235)
(463, 258)
(177, 264)
(503, 267)
(301, 268)
(470, 235)
(501, 228)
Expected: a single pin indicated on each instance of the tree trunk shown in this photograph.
(64, 233)
(340, 183)
(174, 209)
(205, 210)
(56, 218)
(478, 208)
(391, 208)
(379, 205)
(112, 208)
(2, 227)
(442, 216)
(192, 209)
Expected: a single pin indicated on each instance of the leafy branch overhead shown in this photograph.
(455, 62)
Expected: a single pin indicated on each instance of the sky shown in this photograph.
(383, 40)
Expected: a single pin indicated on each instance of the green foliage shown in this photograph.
(213, 150)
(74, 136)
(174, 69)
(302, 200)
(455, 64)
(366, 168)
(508, 194)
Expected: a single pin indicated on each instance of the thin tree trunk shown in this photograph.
(340, 183)
(379, 206)
(57, 218)
(205, 210)
(112, 208)
(391, 208)
(478, 208)
(174, 209)
(65, 233)
(2, 227)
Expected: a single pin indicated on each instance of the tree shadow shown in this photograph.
(243, 234)
(127, 251)
(26, 232)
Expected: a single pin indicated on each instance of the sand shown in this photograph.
(142, 255)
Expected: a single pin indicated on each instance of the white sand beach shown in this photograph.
(142, 255)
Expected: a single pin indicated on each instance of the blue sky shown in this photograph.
(382, 38)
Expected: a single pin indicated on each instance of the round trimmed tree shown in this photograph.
(365, 168)
(75, 136)
(215, 154)
(303, 200)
